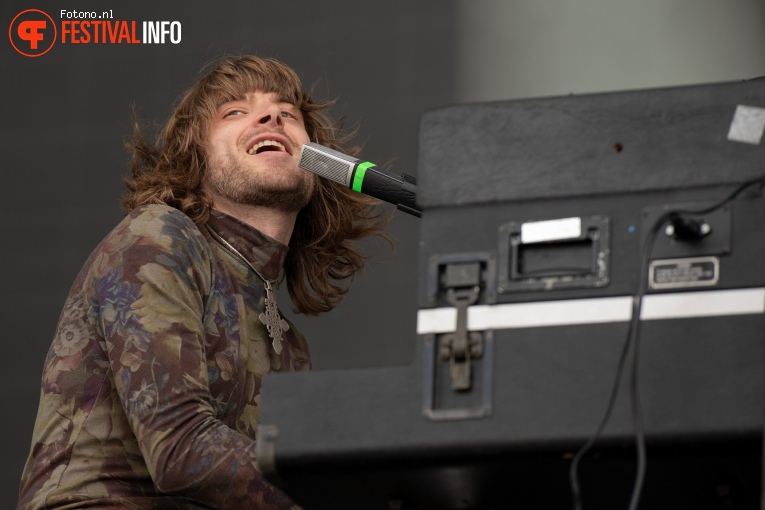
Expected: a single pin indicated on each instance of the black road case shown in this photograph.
(549, 226)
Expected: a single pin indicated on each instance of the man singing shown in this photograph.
(151, 388)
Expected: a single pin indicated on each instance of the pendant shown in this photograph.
(270, 318)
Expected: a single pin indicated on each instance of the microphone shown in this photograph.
(363, 177)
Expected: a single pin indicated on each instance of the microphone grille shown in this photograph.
(326, 163)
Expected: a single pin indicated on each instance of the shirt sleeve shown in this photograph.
(150, 309)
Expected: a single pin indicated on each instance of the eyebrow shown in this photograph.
(280, 99)
(229, 101)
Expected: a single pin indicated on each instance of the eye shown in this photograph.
(231, 113)
(288, 114)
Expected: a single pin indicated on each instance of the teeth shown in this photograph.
(264, 143)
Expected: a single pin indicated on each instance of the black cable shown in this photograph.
(573, 471)
(631, 350)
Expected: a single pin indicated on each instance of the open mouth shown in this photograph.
(266, 146)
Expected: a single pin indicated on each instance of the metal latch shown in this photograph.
(462, 284)
(457, 365)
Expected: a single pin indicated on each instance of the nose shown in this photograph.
(270, 115)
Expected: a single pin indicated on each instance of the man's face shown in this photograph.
(253, 150)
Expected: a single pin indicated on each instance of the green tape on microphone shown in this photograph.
(358, 176)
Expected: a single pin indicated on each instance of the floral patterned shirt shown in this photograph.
(151, 388)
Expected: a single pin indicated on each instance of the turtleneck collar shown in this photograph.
(265, 254)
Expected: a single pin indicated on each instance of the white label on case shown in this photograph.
(748, 125)
(551, 230)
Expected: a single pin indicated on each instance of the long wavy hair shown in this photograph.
(323, 256)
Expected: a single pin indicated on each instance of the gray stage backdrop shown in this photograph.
(65, 116)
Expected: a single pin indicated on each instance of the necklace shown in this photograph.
(270, 318)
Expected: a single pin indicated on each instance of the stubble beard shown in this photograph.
(288, 191)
